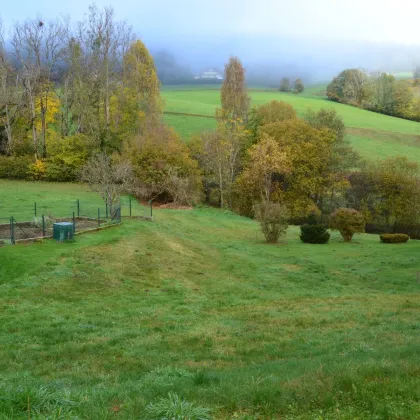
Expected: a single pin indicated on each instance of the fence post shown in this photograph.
(151, 208)
(43, 226)
(106, 209)
(78, 208)
(74, 223)
(35, 208)
(12, 231)
(99, 217)
(129, 201)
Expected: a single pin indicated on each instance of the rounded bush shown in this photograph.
(347, 222)
(314, 234)
(394, 238)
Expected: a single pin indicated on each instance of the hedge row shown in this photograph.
(24, 167)
(394, 238)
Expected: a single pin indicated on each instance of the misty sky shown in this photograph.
(362, 20)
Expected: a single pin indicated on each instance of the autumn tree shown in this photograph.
(271, 112)
(76, 93)
(350, 86)
(138, 101)
(263, 176)
(108, 178)
(11, 100)
(284, 85)
(309, 152)
(416, 75)
(234, 96)
(326, 118)
(220, 156)
(403, 99)
(103, 42)
(275, 111)
(382, 87)
(38, 47)
(162, 167)
(396, 188)
(298, 86)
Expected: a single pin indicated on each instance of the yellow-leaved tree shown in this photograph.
(137, 102)
(47, 110)
(309, 153)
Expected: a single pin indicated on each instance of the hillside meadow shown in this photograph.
(196, 306)
(373, 135)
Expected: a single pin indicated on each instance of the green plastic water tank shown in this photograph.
(63, 231)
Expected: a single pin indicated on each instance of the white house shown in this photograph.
(209, 75)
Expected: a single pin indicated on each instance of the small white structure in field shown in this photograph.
(209, 75)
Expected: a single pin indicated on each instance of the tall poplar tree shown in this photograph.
(234, 97)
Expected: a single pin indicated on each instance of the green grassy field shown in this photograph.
(195, 304)
(377, 135)
(18, 198)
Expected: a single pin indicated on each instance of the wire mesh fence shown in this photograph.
(37, 221)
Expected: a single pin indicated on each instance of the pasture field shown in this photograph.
(373, 135)
(58, 199)
(194, 305)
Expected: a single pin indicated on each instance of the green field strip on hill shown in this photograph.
(187, 125)
(381, 147)
(205, 102)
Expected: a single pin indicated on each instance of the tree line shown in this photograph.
(285, 85)
(378, 92)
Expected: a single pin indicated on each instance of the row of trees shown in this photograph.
(379, 92)
(83, 102)
(285, 85)
(58, 81)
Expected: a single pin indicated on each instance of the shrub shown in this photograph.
(57, 171)
(163, 168)
(16, 167)
(174, 407)
(273, 219)
(394, 238)
(347, 222)
(67, 156)
(314, 234)
(37, 221)
(37, 169)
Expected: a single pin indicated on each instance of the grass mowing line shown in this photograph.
(196, 305)
(188, 115)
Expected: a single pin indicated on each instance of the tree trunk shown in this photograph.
(221, 187)
(9, 134)
(44, 130)
(33, 118)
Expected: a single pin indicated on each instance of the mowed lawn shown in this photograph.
(195, 304)
(373, 135)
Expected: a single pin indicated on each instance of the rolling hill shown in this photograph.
(190, 110)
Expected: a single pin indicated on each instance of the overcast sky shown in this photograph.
(362, 20)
